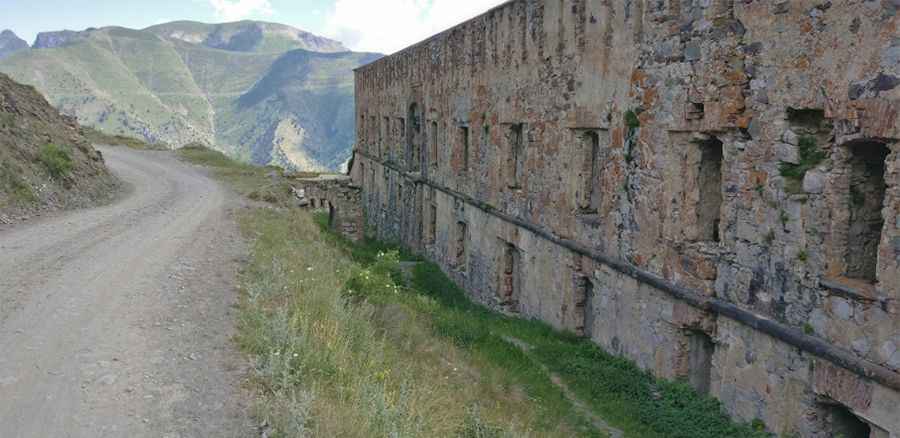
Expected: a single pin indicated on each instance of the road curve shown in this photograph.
(117, 321)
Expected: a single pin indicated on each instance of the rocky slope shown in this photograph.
(246, 36)
(10, 43)
(45, 162)
(261, 92)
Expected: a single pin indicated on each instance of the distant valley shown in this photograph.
(261, 92)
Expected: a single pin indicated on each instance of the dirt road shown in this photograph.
(116, 321)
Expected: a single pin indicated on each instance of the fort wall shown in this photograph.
(709, 188)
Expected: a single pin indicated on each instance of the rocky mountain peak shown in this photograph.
(10, 43)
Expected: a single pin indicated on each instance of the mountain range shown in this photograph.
(261, 92)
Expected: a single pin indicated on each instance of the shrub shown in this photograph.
(810, 157)
(56, 159)
(631, 120)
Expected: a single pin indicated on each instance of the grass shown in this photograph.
(98, 137)
(348, 340)
(613, 387)
(13, 186)
(56, 159)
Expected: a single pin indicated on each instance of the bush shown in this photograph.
(810, 156)
(56, 159)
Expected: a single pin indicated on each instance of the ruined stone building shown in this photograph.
(706, 187)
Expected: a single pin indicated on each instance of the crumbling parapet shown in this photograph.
(339, 196)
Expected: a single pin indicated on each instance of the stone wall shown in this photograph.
(337, 195)
(709, 188)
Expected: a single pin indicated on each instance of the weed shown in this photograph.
(810, 156)
(783, 217)
(760, 189)
(808, 329)
(769, 238)
(632, 121)
(802, 256)
(56, 159)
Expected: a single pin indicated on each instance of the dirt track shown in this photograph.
(116, 321)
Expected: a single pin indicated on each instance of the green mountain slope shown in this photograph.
(288, 108)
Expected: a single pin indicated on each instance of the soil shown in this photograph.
(118, 320)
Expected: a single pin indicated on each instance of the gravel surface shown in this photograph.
(117, 321)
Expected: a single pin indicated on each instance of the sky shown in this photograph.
(383, 26)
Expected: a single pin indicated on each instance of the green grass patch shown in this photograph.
(56, 159)
(613, 387)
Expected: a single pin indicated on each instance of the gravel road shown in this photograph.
(117, 321)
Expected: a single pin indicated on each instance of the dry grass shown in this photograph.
(333, 364)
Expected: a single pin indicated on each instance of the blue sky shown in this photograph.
(368, 25)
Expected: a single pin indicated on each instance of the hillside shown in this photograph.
(45, 162)
(222, 85)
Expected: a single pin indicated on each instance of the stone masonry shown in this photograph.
(338, 195)
(706, 187)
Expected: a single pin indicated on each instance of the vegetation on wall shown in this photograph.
(810, 156)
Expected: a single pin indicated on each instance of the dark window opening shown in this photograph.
(590, 193)
(434, 144)
(331, 215)
(811, 119)
(510, 278)
(515, 165)
(413, 140)
(695, 111)
(432, 223)
(464, 140)
(461, 254)
(866, 202)
(372, 129)
(312, 203)
(584, 306)
(700, 353)
(386, 135)
(843, 423)
(362, 129)
(709, 182)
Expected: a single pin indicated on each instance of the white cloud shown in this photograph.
(233, 10)
(387, 26)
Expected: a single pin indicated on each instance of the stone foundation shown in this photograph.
(709, 189)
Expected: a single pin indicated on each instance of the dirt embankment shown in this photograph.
(45, 161)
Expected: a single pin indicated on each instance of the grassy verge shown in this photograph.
(98, 137)
(350, 340)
